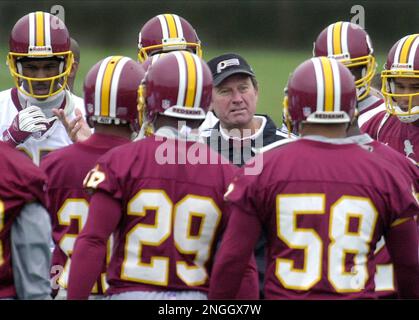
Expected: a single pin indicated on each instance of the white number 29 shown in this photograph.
(170, 218)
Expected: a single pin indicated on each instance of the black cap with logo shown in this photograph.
(226, 65)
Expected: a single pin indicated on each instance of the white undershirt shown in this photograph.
(262, 120)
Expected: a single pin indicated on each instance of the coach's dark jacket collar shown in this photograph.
(239, 151)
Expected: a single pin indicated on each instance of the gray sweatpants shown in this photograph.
(159, 295)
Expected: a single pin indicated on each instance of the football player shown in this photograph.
(398, 125)
(351, 45)
(327, 206)
(40, 62)
(159, 35)
(75, 49)
(25, 228)
(397, 128)
(165, 33)
(385, 282)
(166, 214)
(110, 97)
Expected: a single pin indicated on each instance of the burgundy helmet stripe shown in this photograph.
(114, 85)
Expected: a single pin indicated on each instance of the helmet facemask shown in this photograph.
(390, 96)
(145, 124)
(367, 66)
(169, 44)
(55, 83)
(286, 117)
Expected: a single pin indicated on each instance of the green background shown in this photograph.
(272, 68)
(274, 36)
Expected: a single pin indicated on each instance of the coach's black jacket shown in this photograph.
(239, 151)
(243, 153)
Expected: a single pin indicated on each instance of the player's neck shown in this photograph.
(123, 131)
(242, 131)
(354, 130)
(333, 131)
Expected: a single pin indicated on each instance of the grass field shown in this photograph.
(272, 69)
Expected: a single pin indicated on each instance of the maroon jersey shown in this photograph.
(403, 137)
(68, 203)
(172, 216)
(324, 207)
(385, 283)
(21, 182)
